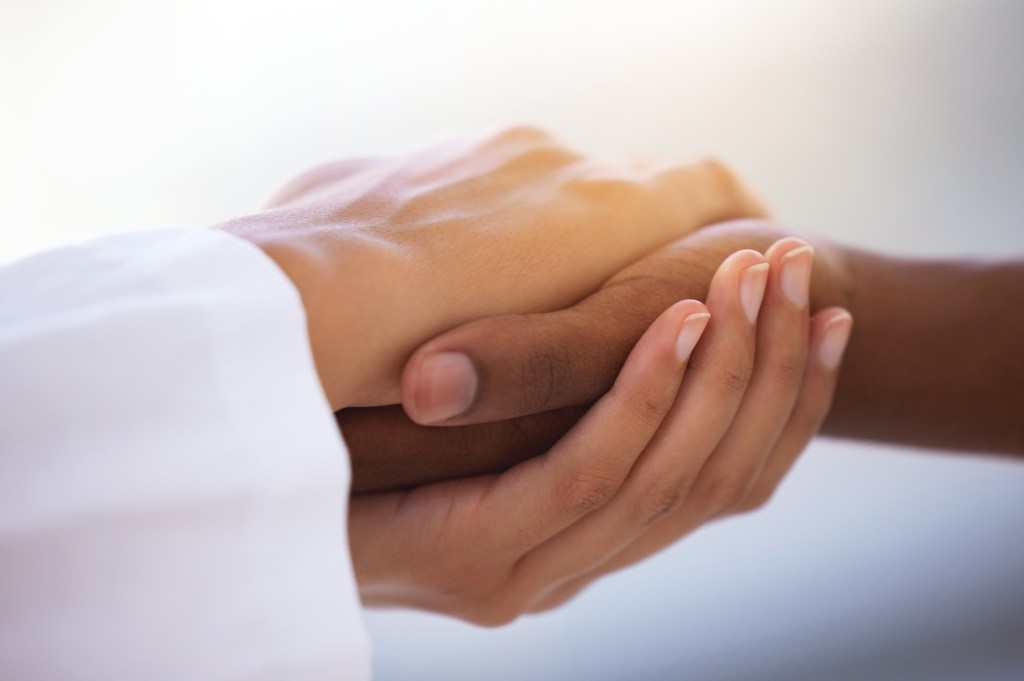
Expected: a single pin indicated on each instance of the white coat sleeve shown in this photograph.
(172, 482)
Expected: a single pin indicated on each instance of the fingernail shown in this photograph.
(752, 283)
(446, 385)
(689, 334)
(795, 277)
(833, 343)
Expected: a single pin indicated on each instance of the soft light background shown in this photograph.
(890, 124)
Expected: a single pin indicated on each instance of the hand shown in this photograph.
(648, 462)
(537, 373)
(387, 253)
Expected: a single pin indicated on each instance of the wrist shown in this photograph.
(320, 280)
(834, 282)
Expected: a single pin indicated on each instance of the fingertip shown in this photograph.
(686, 308)
(784, 246)
(833, 328)
(740, 278)
(438, 386)
(742, 260)
(508, 366)
(678, 328)
(753, 282)
(695, 320)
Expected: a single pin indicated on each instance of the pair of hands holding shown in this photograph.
(591, 410)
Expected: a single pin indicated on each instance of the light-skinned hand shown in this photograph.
(658, 454)
(387, 253)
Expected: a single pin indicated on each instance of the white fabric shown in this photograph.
(172, 483)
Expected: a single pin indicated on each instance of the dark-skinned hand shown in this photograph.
(536, 374)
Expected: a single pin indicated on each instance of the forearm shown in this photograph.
(936, 356)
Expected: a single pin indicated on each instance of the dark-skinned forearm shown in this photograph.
(937, 354)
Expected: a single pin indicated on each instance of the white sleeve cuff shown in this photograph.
(173, 485)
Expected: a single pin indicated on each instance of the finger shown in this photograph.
(587, 466)
(700, 416)
(579, 473)
(781, 362)
(676, 184)
(389, 451)
(830, 330)
(830, 333)
(513, 365)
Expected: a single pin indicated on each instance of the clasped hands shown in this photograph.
(584, 361)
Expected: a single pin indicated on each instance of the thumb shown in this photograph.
(514, 365)
(389, 452)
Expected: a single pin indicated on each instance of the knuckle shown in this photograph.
(649, 404)
(651, 407)
(734, 379)
(528, 148)
(718, 169)
(521, 132)
(710, 171)
(722, 176)
(588, 491)
(544, 375)
(712, 184)
(545, 157)
(788, 369)
(605, 186)
(720, 179)
(660, 500)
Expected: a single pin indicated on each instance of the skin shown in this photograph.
(387, 253)
(676, 441)
(912, 316)
(620, 446)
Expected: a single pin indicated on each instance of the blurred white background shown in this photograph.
(894, 124)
